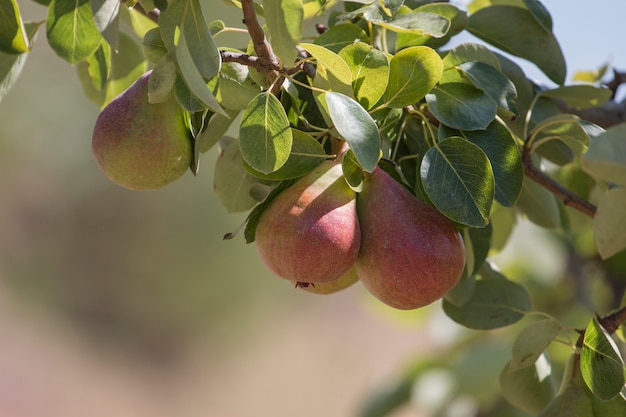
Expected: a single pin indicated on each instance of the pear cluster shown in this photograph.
(323, 237)
(141, 145)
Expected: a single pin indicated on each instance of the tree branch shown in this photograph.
(268, 62)
(152, 14)
(540, 177)
(612, 322)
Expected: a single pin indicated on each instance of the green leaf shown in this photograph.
(306, 154)
(193, 79)
(580, 96)
(370, 72)
(418, 23)
(215, 129)
(530, 388)
(601, 364)
(186, 99)
(106, 18)
(11, 65)
(339, 36)
(357, 127)
(126, 66)
(609, 224)
(352, 171)
(531, 342)
(413, 73)
(503, 153)
(461, 106)
(493, 82)
(606, 157)
(231, 182)
(458, 22)
(153, 46)
(458, 179)
(184, 19)
(233, 88)
(253, 218)
(563, 127)
(470, 52)
(494, 303)
(99, 66)
(71, 31)
(265, 134)
(477, 242)
(332, 62)
(162, 80)
(13, 35)
(516, 31)
(284, 24)
(539, 205)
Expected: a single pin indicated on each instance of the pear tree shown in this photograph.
(372, 147)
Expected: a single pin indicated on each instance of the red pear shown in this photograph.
(310, 232)
(411, 254)
(140, 145)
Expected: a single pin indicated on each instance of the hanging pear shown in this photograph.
(310, 232)
(411, 254)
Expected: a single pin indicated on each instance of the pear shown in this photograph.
(411, 254)
(310, 232)
(346, 280)
(139, 145)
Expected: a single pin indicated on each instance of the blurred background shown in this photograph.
(119, 303)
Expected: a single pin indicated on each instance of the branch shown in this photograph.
(540, 177)
(152, 14)
(268, 62)
(612, 322)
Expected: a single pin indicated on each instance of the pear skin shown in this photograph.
(411, 254)
(139, 145)
(310, 232)
(346, 280)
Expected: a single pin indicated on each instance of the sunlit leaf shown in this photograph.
(332, 62)
(306, 154)
(601, 363)
(609, 224)
(71, 31)
(606, 157)
(13, 34)
(470, 52)
(370, 72)
(418, 23)
(106, 18)
(357, 127)
(232, 86)
(461, 106)
(413, 73)
(458, 179)
(265, 135)
(352, 171)
(162, 80)
(284, 24)
(517, 31)
(494, 303)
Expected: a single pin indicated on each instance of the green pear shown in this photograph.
(310, 232)
(411, 254)
(139, 145)
(573, 400)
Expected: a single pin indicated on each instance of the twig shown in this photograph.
(619, 78)
(153, 15)
(268, 62)
(540, 177)
(612, 322)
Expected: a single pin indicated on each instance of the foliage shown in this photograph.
(461, 127)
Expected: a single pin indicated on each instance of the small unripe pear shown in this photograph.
(411, 254)
(310, 232)
(139, 145)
